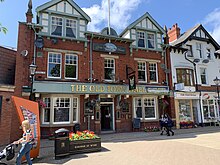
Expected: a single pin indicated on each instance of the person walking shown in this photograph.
(169, 125)
(162, 125)
(26, 142)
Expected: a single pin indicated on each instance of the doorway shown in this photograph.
(107, 117)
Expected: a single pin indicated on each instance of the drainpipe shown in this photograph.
(90, 60)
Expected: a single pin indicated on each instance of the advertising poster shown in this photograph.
(29, 110)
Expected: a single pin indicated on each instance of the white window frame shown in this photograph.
(201, 74)
(143, 107)
(143, 63)
(151, 39)
(43, 109)
(74, 55)
(57, 24)
(109, 63)
(190, 50)
(141, 35)
(199, 50)
(74, 23)
(208, 53)
(48, 62)
(156, 71)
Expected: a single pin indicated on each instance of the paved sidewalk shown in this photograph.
(47, 146)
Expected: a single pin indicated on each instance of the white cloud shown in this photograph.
(213, 20)
(121, 12)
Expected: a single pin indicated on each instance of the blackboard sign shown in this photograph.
(136, 123)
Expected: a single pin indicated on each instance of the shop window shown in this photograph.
(54, 65)
(141, 39)
(145, 107)
(142, 72)
(109, 69)
(46, 110)
(185, 76)
(203, 75)
(153, 72)
(56, 26)
(209, 109)
(185, 110)
(70, 28)
(71, 66)
(61, 110)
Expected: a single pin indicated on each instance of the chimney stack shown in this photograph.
(29, 14)
(173, 33)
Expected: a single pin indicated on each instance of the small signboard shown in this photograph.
(179, 86)
(109, 47)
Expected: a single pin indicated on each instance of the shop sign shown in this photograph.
(187, 95)
(153, 89)
(109, 47)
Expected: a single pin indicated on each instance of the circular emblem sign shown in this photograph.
(110, 47)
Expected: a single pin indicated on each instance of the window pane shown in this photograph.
(184, 110)
(141, 39)
(61, 110)
(185, 76)
(109, 69)
(141, 71)
(57, 24)
(70, 28)
(138, 107)
(54, 65)
(151, 41)
(54, 70)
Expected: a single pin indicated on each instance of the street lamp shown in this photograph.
(32, 69)
(217, 82)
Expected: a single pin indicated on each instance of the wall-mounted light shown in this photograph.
(109, 96)
(37, 95)
(86, 96)
(126, 96)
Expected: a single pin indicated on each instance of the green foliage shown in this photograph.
(3, 29)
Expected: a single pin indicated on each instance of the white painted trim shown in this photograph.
(7, 88)
(147, 60)
(109, 56)
(62, 51)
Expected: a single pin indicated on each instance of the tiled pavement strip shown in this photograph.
(47, 146)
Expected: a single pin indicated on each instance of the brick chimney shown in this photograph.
(29, 14)
(173, 33)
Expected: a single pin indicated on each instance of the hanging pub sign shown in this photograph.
(109, 47)
(132, 82)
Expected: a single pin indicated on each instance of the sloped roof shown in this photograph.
(188, 34)
(146, 15)
(54, 2)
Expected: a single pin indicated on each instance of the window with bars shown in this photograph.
(185, 76)
(153, 72)
(109, 69)
(71, 66)
(142, 71)
(71, 28)
(56, 26)
(141, 39)
(54, 65)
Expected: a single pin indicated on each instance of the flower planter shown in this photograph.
(84, 146)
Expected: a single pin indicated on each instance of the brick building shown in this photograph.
(7, 87)
(83, 77)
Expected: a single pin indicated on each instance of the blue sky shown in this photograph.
(186, 13)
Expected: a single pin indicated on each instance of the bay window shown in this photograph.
(46, 110)
(185, 76)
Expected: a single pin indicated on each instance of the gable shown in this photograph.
(63, 7)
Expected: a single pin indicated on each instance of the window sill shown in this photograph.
(205, 85)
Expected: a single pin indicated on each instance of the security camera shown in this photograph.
(24, 53)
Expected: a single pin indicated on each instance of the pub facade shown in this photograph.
(102, 81)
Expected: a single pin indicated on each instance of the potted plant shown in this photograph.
(85, 141)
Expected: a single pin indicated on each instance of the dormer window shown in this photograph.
(151, 40)
(57, 26)
(70, 28)
(141, 39)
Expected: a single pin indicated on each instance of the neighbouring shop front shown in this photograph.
(187, 109)
(98, 107)
(210, 107)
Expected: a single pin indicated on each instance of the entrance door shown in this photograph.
(106, 117)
